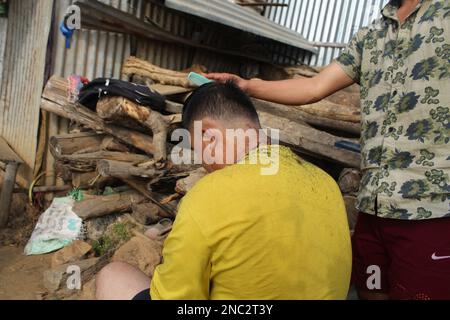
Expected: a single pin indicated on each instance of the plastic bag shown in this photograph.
(57, 227)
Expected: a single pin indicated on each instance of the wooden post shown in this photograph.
(12, 160)
(7, 191)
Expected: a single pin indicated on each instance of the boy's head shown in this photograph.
(222, 122)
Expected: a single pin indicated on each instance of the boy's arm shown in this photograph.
(185, 271)
(298, 91)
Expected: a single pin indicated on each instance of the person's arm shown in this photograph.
(185, 271)
(341, 73)
(297, 91)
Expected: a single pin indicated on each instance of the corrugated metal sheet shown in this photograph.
(3, 29)
(23, 71)
(329, 22)
(93, 53)
(232, 15)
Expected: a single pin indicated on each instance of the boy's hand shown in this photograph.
(224, 77)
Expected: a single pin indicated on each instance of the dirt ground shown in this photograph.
(20, 275)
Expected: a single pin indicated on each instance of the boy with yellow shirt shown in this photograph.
(244, 232)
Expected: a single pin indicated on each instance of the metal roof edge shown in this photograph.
(232, 15)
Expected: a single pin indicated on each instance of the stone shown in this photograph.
(74, 252)
(141, 252)
(56, 278)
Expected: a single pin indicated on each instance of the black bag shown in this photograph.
(103, 87)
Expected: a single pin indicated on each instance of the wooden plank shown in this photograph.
(23, 77)
(7, 154)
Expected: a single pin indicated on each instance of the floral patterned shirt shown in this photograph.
(404, 73)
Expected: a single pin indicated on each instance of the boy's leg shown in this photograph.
(120, 281)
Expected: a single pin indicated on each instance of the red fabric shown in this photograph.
(413, 256)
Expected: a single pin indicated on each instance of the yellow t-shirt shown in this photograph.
(243, 235)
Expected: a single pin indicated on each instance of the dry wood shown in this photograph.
(118, 108)
(63, 171)
(167, 90)
(133, 65)
(124, 170)
(330, 110)
(301, 71)
(349, 180)
(167, 210)
(55, 101)
(310, 140)
(75, 142)
(87, 162)
(98, 206)
(45, 189)
(346, 98)
(146, 213)
(90, 179)
(352, 212)
(186, 184)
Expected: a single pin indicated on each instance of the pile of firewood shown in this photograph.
(122, 146)
(125, 146)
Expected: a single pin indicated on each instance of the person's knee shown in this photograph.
(108, 277)
(120, 281)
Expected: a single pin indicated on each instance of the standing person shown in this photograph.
(401, 244)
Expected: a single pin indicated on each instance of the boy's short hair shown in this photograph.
(220, 101)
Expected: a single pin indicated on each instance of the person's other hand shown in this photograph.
(224, 77)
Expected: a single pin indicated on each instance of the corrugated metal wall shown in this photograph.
(22, 79)
(101, 54)
(331, 22)
(3, 29)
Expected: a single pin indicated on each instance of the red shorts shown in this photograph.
(403, 258)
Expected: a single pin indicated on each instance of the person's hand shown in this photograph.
(224, 77)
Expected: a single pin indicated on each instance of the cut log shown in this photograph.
(146, 213)
(167, 90)
(87, 162)
(346, 98)
(167, 210)
(310, 140)
(124, 170)
(349, 180)
(74, 142)
(145, 69)
(352, 212)
(98, 206)
(301, 71)
(330, 110)
(117, 109)
(55, 101)
(63, 171)
(186, 184)
(90, 179)
(109, 155)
